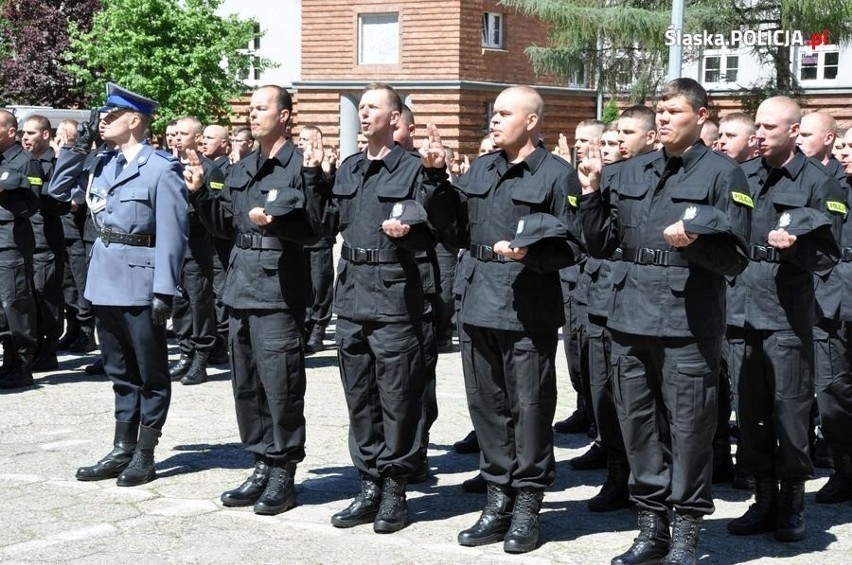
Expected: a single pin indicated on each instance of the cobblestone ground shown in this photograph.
(65, 421)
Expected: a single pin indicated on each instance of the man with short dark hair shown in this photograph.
(20, 184)
(268, 207)
(675, 224)
(242, 143)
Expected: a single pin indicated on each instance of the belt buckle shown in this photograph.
(761, 253)
(105, 236)
(360, 254)
(847, 254)
(646, 256)
(487, 253)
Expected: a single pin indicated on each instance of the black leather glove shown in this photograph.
(161, 309)
(87, 132)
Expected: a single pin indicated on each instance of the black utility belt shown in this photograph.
(765, 253)
(648, 256)
(486, 253)
(847, 255)
(375, 256)
(109, 235)
(256, 241)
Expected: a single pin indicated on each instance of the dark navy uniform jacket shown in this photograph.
(652, 298)
(267, 268)
(596, 280)
(834, 289)
(778, 295)
(362, 197)
(19, 204)
(47, 222)
(493, 196)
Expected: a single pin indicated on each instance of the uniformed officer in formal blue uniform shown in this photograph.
(139, 202)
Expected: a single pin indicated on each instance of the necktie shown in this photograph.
(120, 161)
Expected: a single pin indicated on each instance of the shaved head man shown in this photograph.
(215, 141)
(816, 136)
(777, 127)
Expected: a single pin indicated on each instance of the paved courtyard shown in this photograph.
(65, 421)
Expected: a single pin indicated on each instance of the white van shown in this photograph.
(55, 115)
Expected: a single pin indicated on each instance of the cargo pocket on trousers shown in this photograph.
(401, 361)
(695, 395)
(795, 373)
(282, 363)
(528, 373)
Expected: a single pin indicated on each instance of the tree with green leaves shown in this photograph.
(33, 43)
(180, 53)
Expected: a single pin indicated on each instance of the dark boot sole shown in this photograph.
(136, 482)
(98, 477)
(493, 538)
(368, 518)
(782, 535)
(238, 503)
(519, 548)
(383, 527)
(264, 510)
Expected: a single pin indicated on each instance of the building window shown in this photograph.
(721, 68)
(818, 65)
(252, 73)
(492, 30)
(378, 39)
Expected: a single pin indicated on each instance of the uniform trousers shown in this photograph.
(574, 340)
(774, 395)
(193, 315)
(383, 371)
(665, 395)
(47, 283)
(834, 382)
(601, 388)
(510, 381)
(79, 252)
(321, 264)
(221, 259)
(447, 260)
(136, 361)
(17, 302)
(268, 378)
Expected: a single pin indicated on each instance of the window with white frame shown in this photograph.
(252, 73)
(818, 65)
(721, 68)
(378, 39)
(492, 30)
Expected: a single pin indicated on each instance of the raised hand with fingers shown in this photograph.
(465, 165)
(562, 149)
(313, 155)
(193, 174)
(432, 153)
(589, 169)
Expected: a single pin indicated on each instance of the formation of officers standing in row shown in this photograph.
(679, 264)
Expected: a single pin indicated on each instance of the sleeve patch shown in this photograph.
(572, 201)
(742, 198)
(216, 185)
(835, 206)
(35, 181)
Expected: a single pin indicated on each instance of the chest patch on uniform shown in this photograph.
(396, 212)
(572, 200)
(690, 213)
(784, 220)
(835, 206)
(742, 198)
(35, 181)
(272, 196)
(521, 225)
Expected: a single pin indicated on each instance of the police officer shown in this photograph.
(680, 226)
(139, 202)
(510, 312)
(194, 316)
(772, 312)
(48, 261)
(268, 207)
(381, 298)
(20, 178)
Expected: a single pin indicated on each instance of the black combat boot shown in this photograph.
(20, 374)
(467, 445)
(247, 493)
(180, 367)
(790, 523)
(576, 423)
(723, 463)
(363, 509)
(839, 485)
(46, 359)
(85, 342)
(614, 493)
(197, 372)
(393, 510)
(141, 467)
(594, 458)
(475, 485)
(72, 332)
(494, 521)
(685, 531)
(760, 516)
(124, 444)
(651, 545)
(523, 532)
(315, 340)
(280, 493)
(96, 368)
